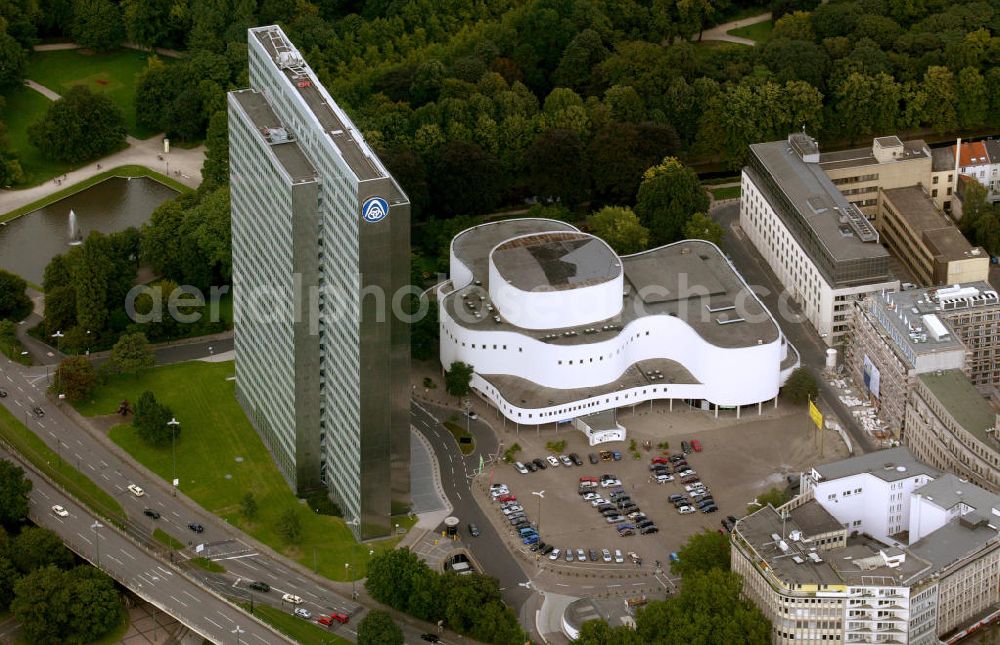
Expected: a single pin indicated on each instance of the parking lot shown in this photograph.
(738, 460)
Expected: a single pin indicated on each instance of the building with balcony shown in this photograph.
(557, 326)
(879, 548)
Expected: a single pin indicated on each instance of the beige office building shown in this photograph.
(925, 241)
(950, 426)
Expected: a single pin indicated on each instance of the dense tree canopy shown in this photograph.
(14, 489)
(80, 126)
(14, 301)
(152, 419)
(668, 195)
(620, 228)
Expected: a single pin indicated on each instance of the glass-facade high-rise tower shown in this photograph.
(321, 251)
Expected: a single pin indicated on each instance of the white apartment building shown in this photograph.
(876, 549)
(822, 248)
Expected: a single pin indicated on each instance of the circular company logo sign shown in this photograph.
(375, 209)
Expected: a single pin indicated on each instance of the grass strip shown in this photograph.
(459, 433)
(208, 565)
(298, 629)
(167, 540)
(729, 192)
(31, 447)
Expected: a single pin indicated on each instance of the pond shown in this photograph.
(30, 241)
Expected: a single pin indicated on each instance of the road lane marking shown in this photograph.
(18, 403)
(83, 538)
(169, 573)
(127, 553)
(259, 638)
(43, 494)
(41, 425)
(116, 560)
(190, 595)
(236, 557)
(105, 476)
(211, 621)
(225, 616)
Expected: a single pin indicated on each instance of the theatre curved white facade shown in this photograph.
(556, 325)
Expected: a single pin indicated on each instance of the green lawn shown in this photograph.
(114, 74)
(23, 107)
(118, 171)
(729, 192)
(759, 32)
(214, 433)
(167, 540)
(459, 432)
(208, 565)
(306, 632)
(30, 446)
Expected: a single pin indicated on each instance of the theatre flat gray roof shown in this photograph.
(888, 465)
(289, 154)
(690, 280)
(554, 261)
(816, 201)
(959, 397)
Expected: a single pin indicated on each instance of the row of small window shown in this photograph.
(791, 636)
(855, 179)
(795, 263)
(935, 179)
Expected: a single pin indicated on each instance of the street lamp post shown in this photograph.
(173, 423)
(541, 495)
(58, 336)
(347, 572)
(97, 540)
(238, 631)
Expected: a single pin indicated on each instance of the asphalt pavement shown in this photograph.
(812, 349)
(245, 559)
(156, 581)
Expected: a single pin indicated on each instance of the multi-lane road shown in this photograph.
(156, 581)
(245, 560)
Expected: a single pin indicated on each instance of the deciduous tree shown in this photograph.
(14, 301)
(14, 490)
(556, 167)
(132, 353)
(249, 506)
(37, 547)
(457, 379)
(79, 127)
(668, 195)
(41, 602)
(13, 61)
(290, 526)
(96, 608)
(620, 228)
(701, 553)
(75, 377)
(378, 628)
(703, 227)
(800, 386)
(97, 24)
(151, 421)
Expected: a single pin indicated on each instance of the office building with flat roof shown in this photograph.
(320, 247)
(557, 326)
(929, 244)
(879, 548)
(822, 248)
(951, 426)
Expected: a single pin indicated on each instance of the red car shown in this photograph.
(506, 498)
(326, 621)
(660, 460)
(695, 445)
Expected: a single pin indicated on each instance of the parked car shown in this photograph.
(473, 530)
(644, 523)
(634, 557)
(575, 458)
(685, 510)
(616, 455)
(663, 479)
(618, 556)
(537, 546)
(519, 467)
(548, 549)
(530, 466)
(660, 460)
(608, 483)
(260, 586)
(593, 555)
(552, 460)
(566, 461)
(687, 472)
(135, 490)
(675, 497)
(685, 447)
(589, 495)
(625, 532)
(696, 445)
(507, 498)
(728, 525)
(554, 554)
(606, 555)
(581, 555)
(593, 458)
(148, 512)
(568, 555)
(614, 519)
(539, 463)
(530, 539)
(302, 612)
(676, 458)
(343, 618)
(711, 508)
(295, 600)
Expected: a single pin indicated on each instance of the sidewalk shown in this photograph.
(179, 164)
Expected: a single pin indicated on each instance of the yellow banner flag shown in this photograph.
(815, 415)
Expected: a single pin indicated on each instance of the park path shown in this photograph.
(162, 51)
(41, 89)
(719, 32)
(183, 165)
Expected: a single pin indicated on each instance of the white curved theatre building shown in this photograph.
(558, 326)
